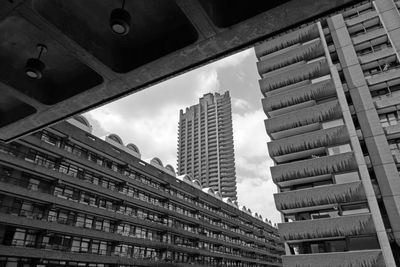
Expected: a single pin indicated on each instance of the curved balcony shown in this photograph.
(298, 53)
(301, 35)
(301, 72)
(326, 228)
(308, 199)
(343, 162)
(287, 148)
(228, 184)
(299, 95)
(364, 258)
(315, 114)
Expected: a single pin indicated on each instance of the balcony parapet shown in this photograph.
(306, 71)
(361, 258)
(392, 129)
(319, 196)
(387, 101)
(296, 131)
(368, 36)
(291, 108)
(330, 227)
(384, 53)
(392, 76)
(299, 155)
(299, 95)
(315, 114)
(298, 36)
(361, 18)
(322, 138)
(343, 162)
(299, 53)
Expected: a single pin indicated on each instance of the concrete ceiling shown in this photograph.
(87, 65)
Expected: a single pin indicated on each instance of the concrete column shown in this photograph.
(369, 121)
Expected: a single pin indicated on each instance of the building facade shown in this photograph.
(205, 144)
(70, 198)
(331, 94)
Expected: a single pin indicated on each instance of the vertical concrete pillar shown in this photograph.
(370, 126)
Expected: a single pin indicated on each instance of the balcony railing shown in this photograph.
(322, 138)
(330, 227)
(298, 95)
(320, 196)
(322, 112)
(299, 53)
(300, 73)
(365, 258)
(344, 162)
(298, 36)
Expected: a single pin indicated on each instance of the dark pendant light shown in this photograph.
(34, 66)
(120, 20)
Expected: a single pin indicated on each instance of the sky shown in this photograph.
(149, 119)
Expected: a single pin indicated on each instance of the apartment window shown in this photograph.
(50, 139)
(331, 124)
(339, 149)
(350, 209)
(388, 119)
(363, 242)
(346, 177)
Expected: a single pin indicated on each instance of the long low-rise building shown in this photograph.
(70, 198)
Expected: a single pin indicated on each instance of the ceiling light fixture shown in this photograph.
(120, 20)
(34, 66)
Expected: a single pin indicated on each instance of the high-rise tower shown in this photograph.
(332, 96)
(205, 144)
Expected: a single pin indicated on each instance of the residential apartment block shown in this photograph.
(70, 198)
(332, 97)
(205, 144)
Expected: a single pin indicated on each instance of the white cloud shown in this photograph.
(154, 134)
(240, 103)
(206, 82)
(257, 194)
(249, 134)
(149, 119)
(207, 78)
